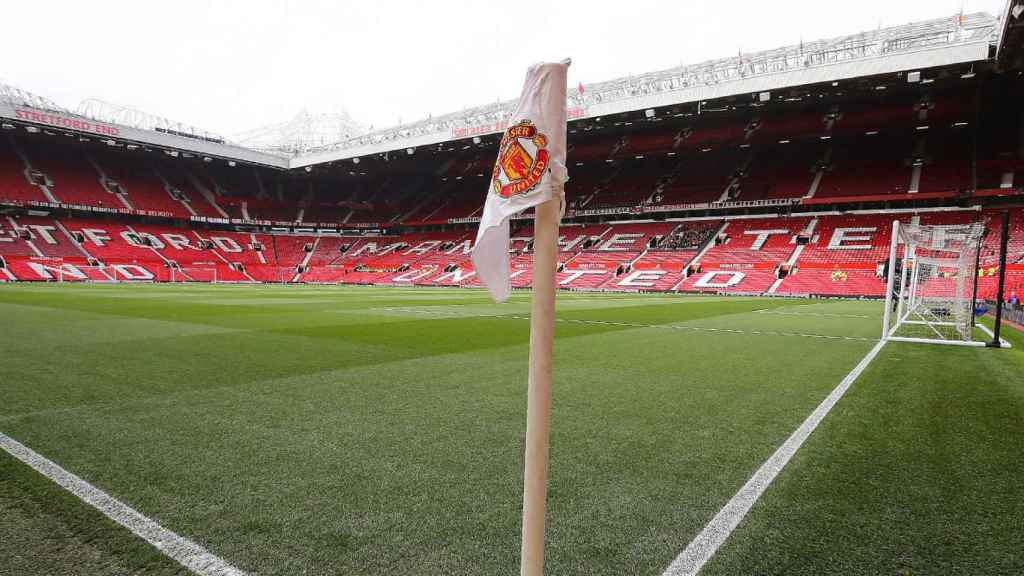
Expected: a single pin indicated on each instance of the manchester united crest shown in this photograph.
(522, 159)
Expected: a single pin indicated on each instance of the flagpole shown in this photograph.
(538, 411)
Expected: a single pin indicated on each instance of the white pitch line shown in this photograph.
(449, 314)
(704, 546)
(182, 550)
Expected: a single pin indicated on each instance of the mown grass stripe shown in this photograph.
(704, 546)
(450, 314)
(818, 314)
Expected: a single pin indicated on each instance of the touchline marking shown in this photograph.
(182, 550)
(704, 546)
(450, 314)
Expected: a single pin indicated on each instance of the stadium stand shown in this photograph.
(139, 185)
(866, 166)
(825, 255)
(73, 174)
(700, 177)
(794, 196)
(781, 172)
(844, 255)
(181, 183)
(14, 183)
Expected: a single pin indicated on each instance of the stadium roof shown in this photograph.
(114, 123)
(315, 139)
(1010, 54)
(302, 133)
(940, 42)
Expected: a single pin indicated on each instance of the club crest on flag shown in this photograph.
(529, 170)
(522, 159)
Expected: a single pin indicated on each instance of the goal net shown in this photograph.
(194, 274)
(90, 274)
(931, 282)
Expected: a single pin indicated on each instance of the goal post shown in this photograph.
(890, 278)
(1004, 246)
(930, 289)
(100, 274)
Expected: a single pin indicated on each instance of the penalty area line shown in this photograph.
(182, 550)
(717, 531)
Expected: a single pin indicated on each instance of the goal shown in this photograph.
(194, 274)
(930, 294)
(87, 274)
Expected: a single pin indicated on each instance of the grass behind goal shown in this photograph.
(367, 430)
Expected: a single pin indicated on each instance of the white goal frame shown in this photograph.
(108, 273)
(181, 274)
(933, 302)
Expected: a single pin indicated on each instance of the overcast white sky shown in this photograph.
(232, 65)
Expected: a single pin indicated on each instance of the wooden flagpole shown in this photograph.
(538, 411)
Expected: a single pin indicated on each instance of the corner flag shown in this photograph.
(530, 170)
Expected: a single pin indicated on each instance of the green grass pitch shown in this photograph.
(358, 431)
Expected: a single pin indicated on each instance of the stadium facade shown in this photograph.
(777, 172)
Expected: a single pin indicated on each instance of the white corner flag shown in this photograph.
(530, 170)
